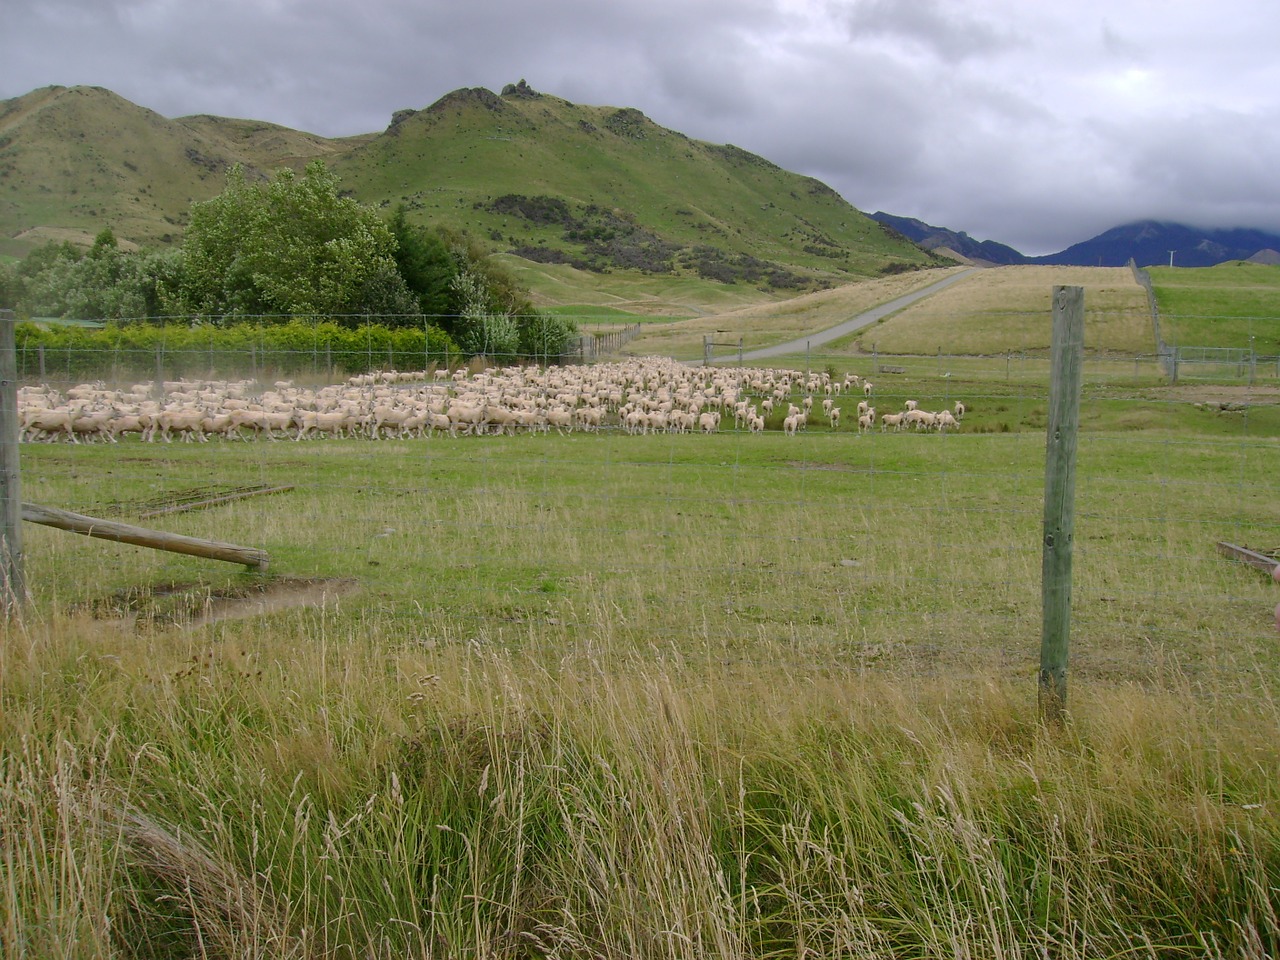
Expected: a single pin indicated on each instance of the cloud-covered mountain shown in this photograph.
(1156, 243)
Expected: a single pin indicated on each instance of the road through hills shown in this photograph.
(855, 323)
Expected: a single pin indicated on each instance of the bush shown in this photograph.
(144, 352)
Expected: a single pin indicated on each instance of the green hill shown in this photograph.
(591, 191)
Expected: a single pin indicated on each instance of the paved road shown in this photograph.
(865, 319)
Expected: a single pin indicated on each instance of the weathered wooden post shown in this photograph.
(1059, 497)
(12, 580)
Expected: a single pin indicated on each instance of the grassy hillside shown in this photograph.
(598, 189)
(609, 189)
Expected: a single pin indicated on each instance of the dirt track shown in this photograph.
(864, 319)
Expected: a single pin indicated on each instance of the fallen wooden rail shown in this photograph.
(1254, 559)
(142, 537)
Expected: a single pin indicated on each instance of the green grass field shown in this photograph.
(664, 696)
(1234, 304)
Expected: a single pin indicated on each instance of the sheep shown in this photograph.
(867, 420)
(866, 388)
(756, 424)
(959, 410)
(39, 423)
(863, 407)
(892, 420)
(791, 424)
(945, 419)
(183, 420)
(911, 404)
(920, 418)
(834, 415)
(709, 422)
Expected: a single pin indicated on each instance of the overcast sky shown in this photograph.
(1037, 124)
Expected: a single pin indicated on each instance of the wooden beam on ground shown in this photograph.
(142, 537)
(214, 501)
(1254, 559)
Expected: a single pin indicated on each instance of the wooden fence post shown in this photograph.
(1059, 497)
(12, 580)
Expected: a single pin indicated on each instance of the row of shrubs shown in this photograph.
(144, 351)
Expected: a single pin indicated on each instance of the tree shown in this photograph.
(425, 265)
(291, 247)
(104, 283)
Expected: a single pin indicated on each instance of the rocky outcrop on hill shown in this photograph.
(520, 91)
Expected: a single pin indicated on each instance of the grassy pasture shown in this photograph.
(665, 696)
(990, 312)
(1235, 304)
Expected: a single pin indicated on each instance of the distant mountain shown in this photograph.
(604, 189)
(941, 238)
(1148, 242)
(1152, 242)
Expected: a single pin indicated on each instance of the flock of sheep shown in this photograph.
(638, 396)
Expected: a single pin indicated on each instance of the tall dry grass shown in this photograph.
(343, 802)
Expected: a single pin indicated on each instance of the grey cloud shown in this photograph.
(1037, 125)
(948, 31)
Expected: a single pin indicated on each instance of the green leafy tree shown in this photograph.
(483, 327)
(545, 337)
(291, 247)
(426, 266)
(104, 283)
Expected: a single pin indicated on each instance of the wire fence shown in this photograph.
(840, 545)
